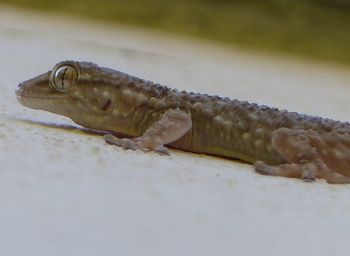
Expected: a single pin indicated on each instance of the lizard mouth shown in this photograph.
(37, 97)
(34, 97)
(35, 101)
(21, 93)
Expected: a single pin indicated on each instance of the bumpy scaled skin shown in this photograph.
(278, 143)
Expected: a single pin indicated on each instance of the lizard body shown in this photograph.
(154, 115)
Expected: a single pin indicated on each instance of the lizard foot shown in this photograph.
(123, 142)
(310, 155)
(286, 170)
(134, 144)
(172, 126)
(302, 171)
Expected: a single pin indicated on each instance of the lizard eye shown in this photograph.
(63, 78)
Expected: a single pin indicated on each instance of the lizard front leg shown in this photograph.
(309, 155)
(172, 125)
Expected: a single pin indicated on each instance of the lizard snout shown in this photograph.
(19, 89)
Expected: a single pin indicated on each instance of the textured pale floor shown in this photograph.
(64, 192)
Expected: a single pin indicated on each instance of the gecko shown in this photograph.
(151, 117)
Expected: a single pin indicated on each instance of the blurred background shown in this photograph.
(318, 29)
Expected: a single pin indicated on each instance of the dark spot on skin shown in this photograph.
(107, 105)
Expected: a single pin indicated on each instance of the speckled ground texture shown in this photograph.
(65, 192)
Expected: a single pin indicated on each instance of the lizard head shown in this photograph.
(82, 91)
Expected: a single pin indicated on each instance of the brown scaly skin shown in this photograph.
(105, 99)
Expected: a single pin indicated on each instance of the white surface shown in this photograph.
(64, 192)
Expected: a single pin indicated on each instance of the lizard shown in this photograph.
(149, 117)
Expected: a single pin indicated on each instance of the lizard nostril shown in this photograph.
(19, 89)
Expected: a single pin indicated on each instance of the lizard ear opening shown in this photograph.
(63, 77)
(107, 105)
